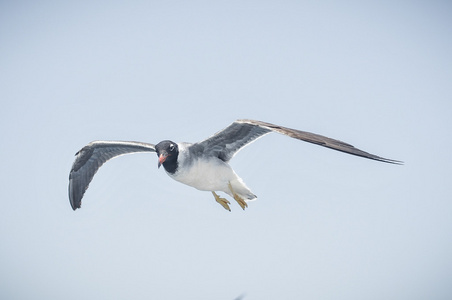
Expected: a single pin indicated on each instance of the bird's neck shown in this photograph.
(170, 166)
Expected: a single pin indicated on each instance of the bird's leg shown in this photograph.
(237, 198)
(223, 202)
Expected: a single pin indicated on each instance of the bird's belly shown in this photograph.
(213, 175)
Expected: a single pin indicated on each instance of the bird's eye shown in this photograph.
(171, 147)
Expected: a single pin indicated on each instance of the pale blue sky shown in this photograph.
(326, 225)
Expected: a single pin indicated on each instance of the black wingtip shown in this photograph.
(391, 161)
(72, 197)
(75, 204)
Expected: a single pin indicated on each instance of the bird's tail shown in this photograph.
(239, 188)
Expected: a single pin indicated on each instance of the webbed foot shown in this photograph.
(223, 202)
(237, 198)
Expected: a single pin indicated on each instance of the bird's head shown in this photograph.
(167, 152)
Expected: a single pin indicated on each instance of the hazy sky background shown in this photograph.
(326, 225)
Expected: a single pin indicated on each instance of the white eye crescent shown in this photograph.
(171, 147)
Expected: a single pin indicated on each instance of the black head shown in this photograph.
(167, 152)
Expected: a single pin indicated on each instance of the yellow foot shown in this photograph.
(223, 202)
(237, 198)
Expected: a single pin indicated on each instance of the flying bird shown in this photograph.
(203, 165)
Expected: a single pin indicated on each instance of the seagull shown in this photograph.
(203, 165)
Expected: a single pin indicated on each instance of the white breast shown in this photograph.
(203, 174)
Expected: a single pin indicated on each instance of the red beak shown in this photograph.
(162, 158)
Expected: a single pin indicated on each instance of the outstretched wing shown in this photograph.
(91, 157)
(225, 143)
(230, 140)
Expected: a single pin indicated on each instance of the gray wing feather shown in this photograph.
(319, 140)
(225, 143)
(91, 157)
